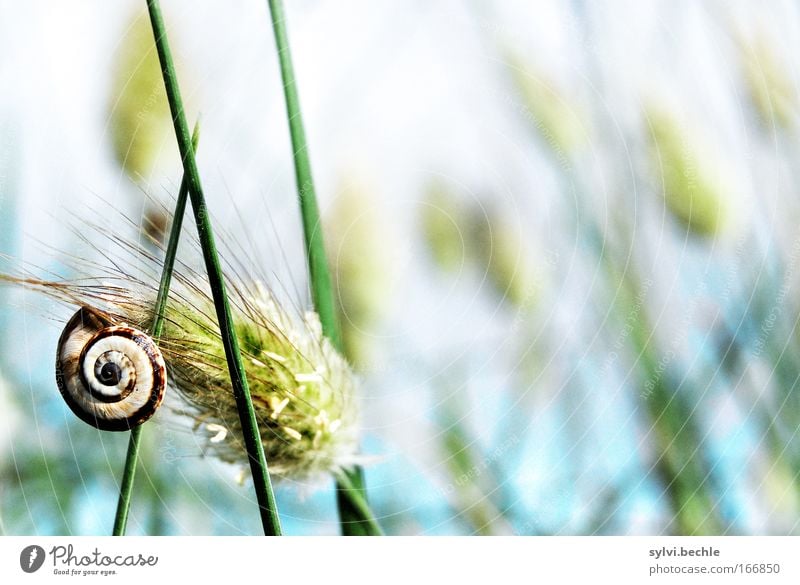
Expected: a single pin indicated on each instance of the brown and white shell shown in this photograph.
(111, 376)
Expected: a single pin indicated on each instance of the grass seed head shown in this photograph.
(769, 85)
(505, 259)
(140, 119)
(693, 193)
(546, 106)
(303, 390)
(444, 222)
(357, 234)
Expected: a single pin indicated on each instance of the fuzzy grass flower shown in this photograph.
(693, 192)
(302, 389)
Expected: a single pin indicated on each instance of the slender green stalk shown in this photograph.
(129, 473)
(241, 389)
(172, 246)
(321, 287)
(366, 525)
(355, 516)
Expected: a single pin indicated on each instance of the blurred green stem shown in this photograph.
(674, 425)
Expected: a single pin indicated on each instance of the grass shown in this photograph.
(679, 463)
(354, 514)
(132, 457)
(255, 449)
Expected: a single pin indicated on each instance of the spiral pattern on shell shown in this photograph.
(111, 376)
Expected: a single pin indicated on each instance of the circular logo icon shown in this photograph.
(31, 558)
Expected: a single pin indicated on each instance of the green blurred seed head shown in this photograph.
(357, 239)
(457, 235)
(545, 106)
(770, 88)
(445, 227)
(140, 120)
(503, 256)
(692, 194)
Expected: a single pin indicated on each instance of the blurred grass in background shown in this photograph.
(572, 301)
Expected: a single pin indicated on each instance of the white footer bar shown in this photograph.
(300, 560)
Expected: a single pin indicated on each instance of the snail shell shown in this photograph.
(111, 376)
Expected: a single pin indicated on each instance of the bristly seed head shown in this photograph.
(302, 389)
(300, 386)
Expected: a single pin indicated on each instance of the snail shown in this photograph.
(111, 376)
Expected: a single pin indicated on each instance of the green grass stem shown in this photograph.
(241, 389)
(131, 459)
(364, 523)
(355, 516)
(126, 488)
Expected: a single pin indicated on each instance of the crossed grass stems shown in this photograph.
(355, 516)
